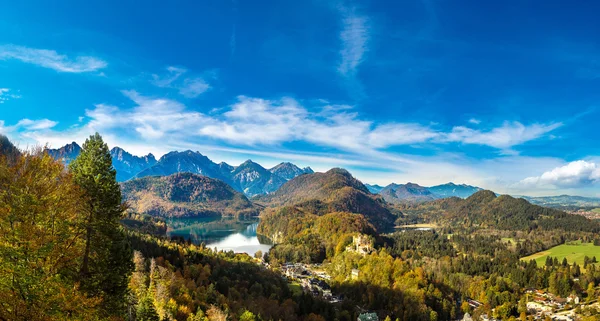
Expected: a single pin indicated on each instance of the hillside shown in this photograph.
(406, 193)
(486, 210)
(185, 195)
(333, 191)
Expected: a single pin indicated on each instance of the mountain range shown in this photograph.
(414, 193)
(249, 177)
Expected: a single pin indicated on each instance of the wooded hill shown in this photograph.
(185, 195)
(486, 210)
(333, 191)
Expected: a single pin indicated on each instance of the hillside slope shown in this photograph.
(333, 191)
(486, 210)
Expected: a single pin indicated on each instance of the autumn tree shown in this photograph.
(107, 258)
(40, 241)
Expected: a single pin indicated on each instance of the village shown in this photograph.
(541, 305)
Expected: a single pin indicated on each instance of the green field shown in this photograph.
(574, 252)
(597, 210)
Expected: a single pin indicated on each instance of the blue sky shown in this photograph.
(499, 94)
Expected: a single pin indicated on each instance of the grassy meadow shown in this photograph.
(573, 251)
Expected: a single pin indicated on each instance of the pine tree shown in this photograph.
(107, 260)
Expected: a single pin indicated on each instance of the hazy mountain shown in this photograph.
(128, 165)
(66, 154)
(333, 191)
(253, 179)
(564, 201)
(451, 189)
(407, 193)
(375, 189)
(185, 195)
(288, 170)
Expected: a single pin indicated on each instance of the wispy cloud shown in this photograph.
(474, 121)
(354, 38)
(190, 87)
(51, 59)
(6, 95)
(260, 122)
(504, 137)
(28, 125)
(579, 173)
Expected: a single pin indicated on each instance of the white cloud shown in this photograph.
(190, 87)
(51, 59)
(36, 124)
(354, 37)
(254, 121)
(475, 121)
(5, 95)
(508, 135)
(575, 174)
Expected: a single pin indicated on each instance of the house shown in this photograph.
(573, 299)
(368, 316)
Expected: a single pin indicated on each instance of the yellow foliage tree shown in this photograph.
(40, 241)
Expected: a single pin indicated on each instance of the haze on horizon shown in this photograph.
(427, 92)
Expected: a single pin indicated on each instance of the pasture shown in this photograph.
(573, 251)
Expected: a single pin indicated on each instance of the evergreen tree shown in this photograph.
(107, 260)
(146, 311)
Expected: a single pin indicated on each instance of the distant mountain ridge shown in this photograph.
(563, 201)
(249, 177)
(414, 193)
(410, 192)
(451, 189)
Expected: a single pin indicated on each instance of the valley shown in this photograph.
(298, 245)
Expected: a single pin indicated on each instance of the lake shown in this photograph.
(238, 235)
